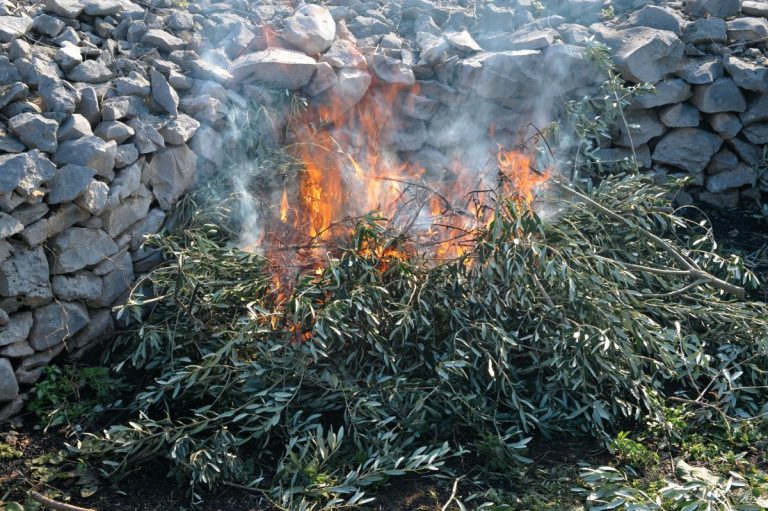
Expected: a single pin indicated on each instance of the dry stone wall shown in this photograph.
(111, 109)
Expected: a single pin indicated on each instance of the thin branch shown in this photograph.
(57, 506)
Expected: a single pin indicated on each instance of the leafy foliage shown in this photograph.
(385, 365)
(67, 394)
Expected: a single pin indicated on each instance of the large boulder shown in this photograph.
(171, 172)
(78, 248)
(644, 54)
(35, 131)
(723, 95)
(90, 152)
(24, 276)
(500, 75)
(689, 149)
(311, 29)
(69, 183)
(57, 322)
(747, 75)
(712, 8)
(281, 68)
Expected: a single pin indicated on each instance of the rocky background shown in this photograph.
(111, 109)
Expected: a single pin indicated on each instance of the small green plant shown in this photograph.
(632, 452)
(608, 13)
(69, 394)
(8, 452)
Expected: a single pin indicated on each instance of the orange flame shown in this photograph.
(350, 167)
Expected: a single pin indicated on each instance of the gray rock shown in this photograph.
(748, 29)
(12, 27)
(146, 139)
(180, 20)
(740, 176)
(47, 25)
(114, 130)
(68, 35)
(724, 161)
(746, 74)
(10, 144)
(418, 107)
(102, 7)
(126, 181)
(100, 325)
(90, 152)
(19, 49)
(726, 124)
(57, 322)
(282, 68)
(11, 93)
(149, 225)
(90, 71)
(350, 87)
(311, 29)
(163, 40)
(667, 92)
(748, 153)
(9, 387)
(18, 328)
(17, 350)
(8, 72)
(757, 110)
(208, 145)
(524, 39)
(57, 95)
(323, 79)
(644, 125)
(89, 105)
(6, 249)
(75, 126)
(702, 71)
(645, 54)
(24, 172)
(727, 200)
(68, 56)
(64, 8)
(390, 70)
(343, 53)
(69, 183)
(80, 286)
(132, 85)
(128, 212)
(24, 276)
(115, 283)
(122, 107)
(94, 199)
(715, 8)
(755, 8)
(681, 115)
(723, 95)
(163, 93)
(126, 154)
(690, 149)
(35, 131)
(705, 31)
(171, 172)
(179, 130)
(659, 18)
(66, 216)
(78, 248)
(499, 75)
(757, 133)
(9, 225)
(30, 213)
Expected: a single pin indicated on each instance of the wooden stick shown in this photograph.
(57, 506)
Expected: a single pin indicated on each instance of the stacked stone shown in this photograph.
(94, 150)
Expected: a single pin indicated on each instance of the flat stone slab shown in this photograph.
(282, 68)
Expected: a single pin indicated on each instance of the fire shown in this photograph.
(518, 170)
(350, 167)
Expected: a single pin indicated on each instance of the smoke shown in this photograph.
(422, 148)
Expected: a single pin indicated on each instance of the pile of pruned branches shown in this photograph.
(383, 365)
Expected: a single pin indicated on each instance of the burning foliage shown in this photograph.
(384, 362)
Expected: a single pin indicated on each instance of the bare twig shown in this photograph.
(57, 506)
